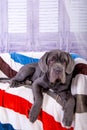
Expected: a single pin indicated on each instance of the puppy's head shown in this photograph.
(57, 63)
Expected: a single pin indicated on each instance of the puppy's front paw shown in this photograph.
(13, 84)
(33, 115)
(67, 122)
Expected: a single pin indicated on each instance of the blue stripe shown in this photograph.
(6, 126)
(74, 56)
(19, 58)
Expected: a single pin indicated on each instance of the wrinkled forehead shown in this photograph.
(58, 54)
(54, 53)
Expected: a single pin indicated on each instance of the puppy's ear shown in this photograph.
(70, 65)
(43, 62)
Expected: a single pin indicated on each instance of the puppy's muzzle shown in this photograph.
(57, 73)
(57, 70)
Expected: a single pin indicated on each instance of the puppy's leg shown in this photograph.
(24, 72)
(38, 99)
(69, 108)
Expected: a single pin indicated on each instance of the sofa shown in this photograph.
(15, 103)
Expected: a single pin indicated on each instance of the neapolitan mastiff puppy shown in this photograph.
(53, 71)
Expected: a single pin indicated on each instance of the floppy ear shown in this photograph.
(70, 65)
(43, 62)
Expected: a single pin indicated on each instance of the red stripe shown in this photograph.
(16, 103)
(22, 106)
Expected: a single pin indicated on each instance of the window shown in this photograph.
(17, 16)
(19, 25)
(49, 28)
(78, 19)
(16, 25)
(48, 16)
(78, 26)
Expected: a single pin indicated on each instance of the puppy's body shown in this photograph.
(53, 71)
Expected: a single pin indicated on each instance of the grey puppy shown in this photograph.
(53, 71)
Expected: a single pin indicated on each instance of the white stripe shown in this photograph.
(2, 74)
(33, 54)
(80, 121)
(18, 121)
(79, 84)
(80, 60)
(4, 86)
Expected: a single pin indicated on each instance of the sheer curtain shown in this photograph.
(41, 25)
(77, 26)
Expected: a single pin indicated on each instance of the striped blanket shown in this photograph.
(15, 103)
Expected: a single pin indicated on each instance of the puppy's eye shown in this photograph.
(63, 61)
(52, 60)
